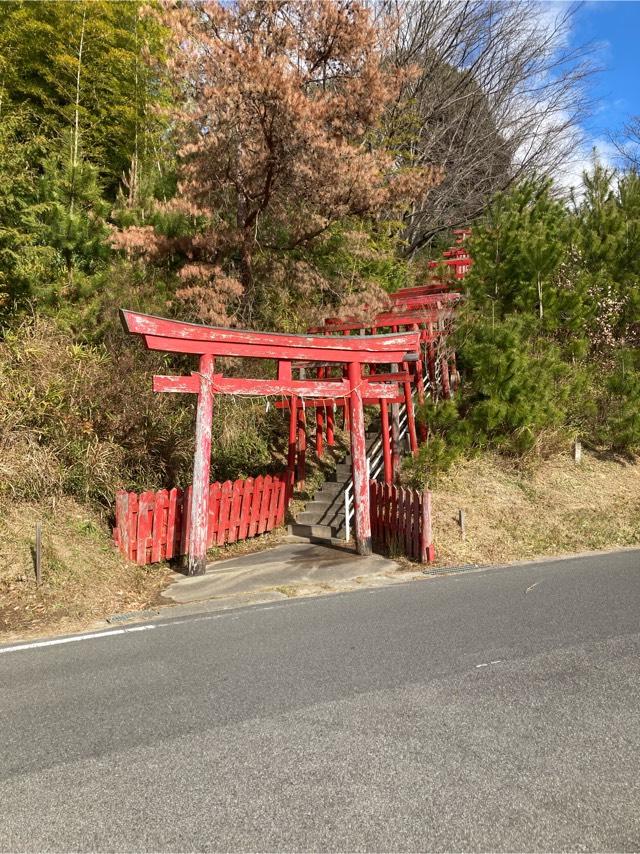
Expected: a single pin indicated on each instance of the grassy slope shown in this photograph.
(84, 578)
(560, 507)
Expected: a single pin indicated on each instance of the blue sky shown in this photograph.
(615, 28)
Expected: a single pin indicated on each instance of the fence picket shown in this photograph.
(264, 504)
(133, 525)
(234, 515)
(172, 512)
(145, 521)
(427, 551)
(159, 527)
(185, 519)
(373, 503)
(245, 510)
(256, 502)
(215, 491)
(282, 502)
(273, 504)
(225, 509)
(416, 517)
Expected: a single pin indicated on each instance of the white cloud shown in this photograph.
(570, 175)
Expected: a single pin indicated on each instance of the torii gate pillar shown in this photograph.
(359, 461)
(197, 560)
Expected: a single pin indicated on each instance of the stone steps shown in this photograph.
(323, 516)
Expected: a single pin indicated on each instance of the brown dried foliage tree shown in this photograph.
(279, 104)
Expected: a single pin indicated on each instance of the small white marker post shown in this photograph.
(577, 452)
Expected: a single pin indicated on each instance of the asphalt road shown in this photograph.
(488, 711)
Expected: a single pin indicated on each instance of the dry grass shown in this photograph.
(84, 579)
(511, 515)
(559, 507)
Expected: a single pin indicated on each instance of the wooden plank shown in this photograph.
(427, 551)
(133, 525)
(416, 514)
(264, 504)
(288, 346)
(255, 351)
(234, 513)
(225, 509)
(302, 388)
(215, 491)
(326, 389)
(159, 532)
(185, 521)
(399, 532)
(302, 446)
(145, 523)
(245, 510)
(393, 517)
(380, 516)
(177, 384)
(282, 502)
(390, 319)
(408, 509)
(340, 402)
(373, 509)
(173, 522)
(256, 501)
(273, 504)
(293, 446)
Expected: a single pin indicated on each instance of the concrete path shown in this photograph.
(291, 569)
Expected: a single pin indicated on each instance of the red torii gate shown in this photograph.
(207, 342)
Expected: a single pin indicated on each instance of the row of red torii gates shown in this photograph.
(380, 365)
(429, 309)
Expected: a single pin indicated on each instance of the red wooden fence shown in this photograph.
(154, 526)
(401, 521)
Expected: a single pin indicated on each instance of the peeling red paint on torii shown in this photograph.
(207, 342)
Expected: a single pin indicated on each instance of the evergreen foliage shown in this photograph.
(549, 340)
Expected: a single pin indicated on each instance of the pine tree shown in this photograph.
(608, 234)
(518, 252)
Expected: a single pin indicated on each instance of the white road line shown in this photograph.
(75, 638)
(229, 613)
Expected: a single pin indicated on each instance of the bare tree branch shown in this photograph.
(499, 93)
